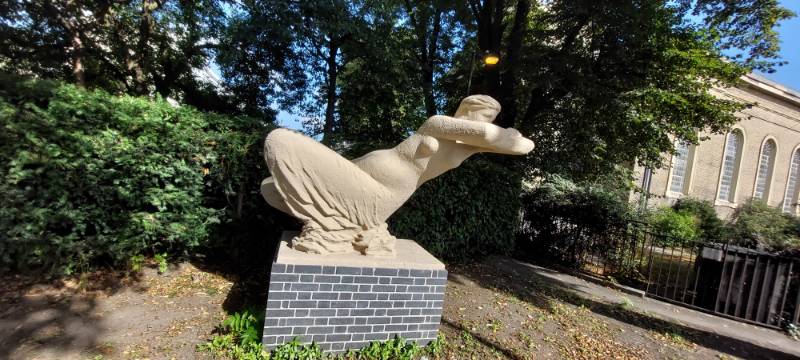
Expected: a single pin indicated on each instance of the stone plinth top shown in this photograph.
(408, 255)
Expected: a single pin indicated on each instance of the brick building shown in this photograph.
(758, 158)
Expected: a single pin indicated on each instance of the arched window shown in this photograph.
(730, 166)
(766, 163)
(681, 168)
(790, 197)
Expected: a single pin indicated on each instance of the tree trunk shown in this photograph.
(490, 31)
(330, 107)
(77, 60)
(65, 15)
(427, 91)
(508, 81)
(139, 63)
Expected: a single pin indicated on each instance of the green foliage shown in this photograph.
(589, 204)
(90, 178)
(239, 338)
(710, 227)
(557, 203)
(136, 262)
(244, 326)
(475, 213)
(747, 26)
(161, 260)
(675, 226)
(628, 76)
(294, 350)
(127, 46)
(396, 348)
(756, 224)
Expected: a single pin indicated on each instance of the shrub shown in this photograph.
(756, 224)
(239, 337)
(709, 226)
(588, 204)
(560, 215)
(470, 211)
(91, 178)
(676, 226)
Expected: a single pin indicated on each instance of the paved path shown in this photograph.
(685, 317)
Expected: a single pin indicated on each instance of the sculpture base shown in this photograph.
(346, 301)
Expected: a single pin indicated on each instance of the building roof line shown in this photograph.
(770, 87)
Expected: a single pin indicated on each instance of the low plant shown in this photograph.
(136, 263)
(394, 349)
(161, 260)
(239, 338)
(560, 216)
(673, 227)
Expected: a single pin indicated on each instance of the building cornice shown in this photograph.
(763, 85)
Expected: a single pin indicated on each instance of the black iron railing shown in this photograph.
(723, 279)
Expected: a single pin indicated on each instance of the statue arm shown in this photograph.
(485, 136)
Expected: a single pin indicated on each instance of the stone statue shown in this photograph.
(345, 203)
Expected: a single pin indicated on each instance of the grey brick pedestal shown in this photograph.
(343, 302)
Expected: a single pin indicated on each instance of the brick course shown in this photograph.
(342, 308)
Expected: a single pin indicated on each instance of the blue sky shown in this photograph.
(789, 32)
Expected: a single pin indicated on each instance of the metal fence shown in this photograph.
(723, 279)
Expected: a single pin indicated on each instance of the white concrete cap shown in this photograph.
(408, 255)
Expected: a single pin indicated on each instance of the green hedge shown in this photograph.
(472, 210)
(561, 216)
(90, 178)
(758, 225)
(710, 227)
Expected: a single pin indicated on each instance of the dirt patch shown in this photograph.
(497, 309)
(112, 315)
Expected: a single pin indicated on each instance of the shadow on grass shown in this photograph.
(243, 255)
(483, 340)
(56, 316)
(530, 284)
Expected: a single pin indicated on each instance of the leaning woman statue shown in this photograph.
(344, 203)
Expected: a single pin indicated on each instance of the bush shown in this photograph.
(560, 215)
(90, 178)
(709, 226)
(761, 226)
(239, 337)
(588, 204)
(677, 226)
(470, 211)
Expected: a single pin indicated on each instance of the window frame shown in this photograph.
(687, 174)
(770, 167)
(737, 166)
(793, 211)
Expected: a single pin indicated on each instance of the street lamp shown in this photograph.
(489, 59)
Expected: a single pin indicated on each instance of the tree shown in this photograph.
(381, 97)
(434, 26)
(328, 28)
(745, 27)
(260, 63)
(138, 47)
(599, 84)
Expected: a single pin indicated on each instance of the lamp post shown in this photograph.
(489, 59)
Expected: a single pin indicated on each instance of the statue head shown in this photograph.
(481, 108)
